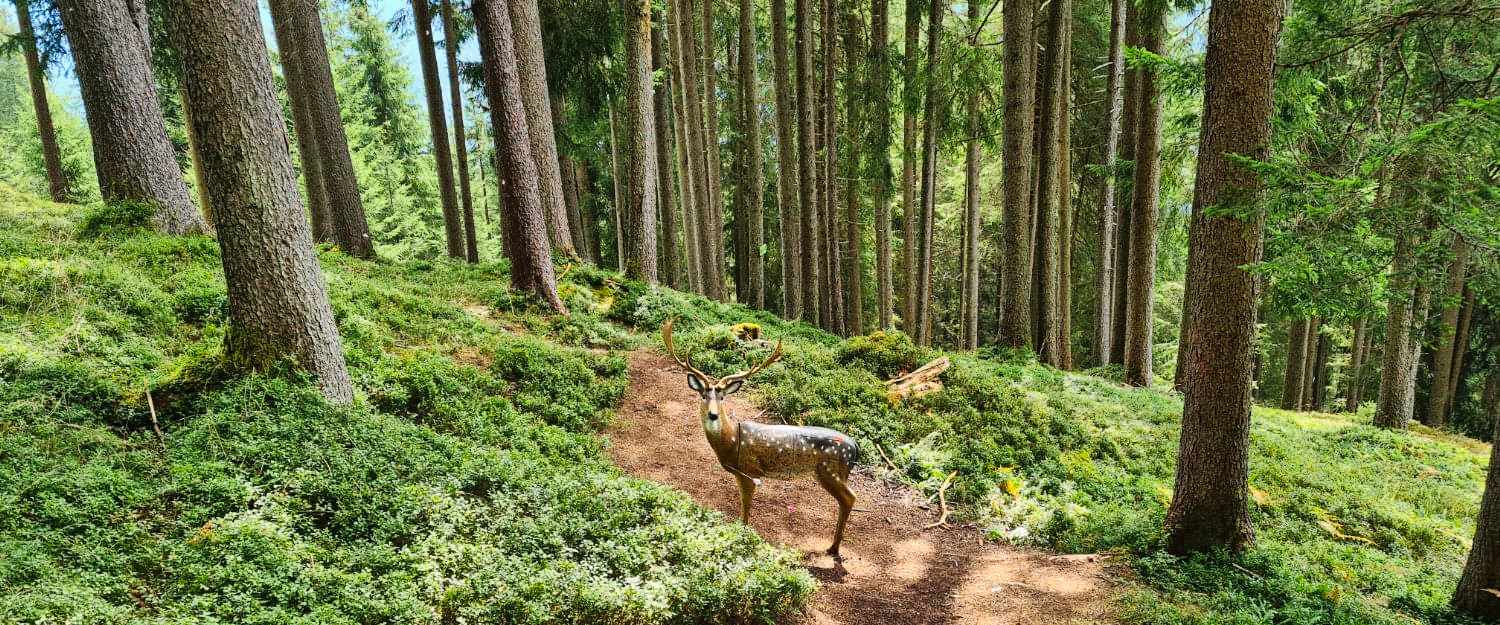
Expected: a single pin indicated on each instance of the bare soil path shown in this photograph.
(892, 572)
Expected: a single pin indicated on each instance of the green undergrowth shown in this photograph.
(466, 484)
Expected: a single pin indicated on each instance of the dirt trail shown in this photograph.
(891, 572)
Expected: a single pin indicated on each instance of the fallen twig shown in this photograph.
(943, 501)
(888, 462)
(150, 404)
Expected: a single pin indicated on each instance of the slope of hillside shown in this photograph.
(468, 481)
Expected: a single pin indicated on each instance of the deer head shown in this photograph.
(712, 390)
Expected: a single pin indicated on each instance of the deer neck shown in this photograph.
(723, 435)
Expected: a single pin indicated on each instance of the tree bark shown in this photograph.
(929, 177)
(621, 188)
(523, 220)
(833, 285)
(1065, 217)
(1015, 244)
(1482, 570)
(302, 111)
(1104, 273)
(786, 166)
(909, 165)
(432, 88)
(278, 304)
(1309, 360)
(1321, 349)
(1461, 349)
(640, 150)
(1440, 397)
(853, 251)
(132, 156)
(1396, 373)
(1131, 124)
(460, 142)
(969, 306)
(1050, 187)
(1147, 188)
(1296, 364)
(1210, 507)
(807, 160)
(195, 155)
(527, 20)
(346, 212)
(57, 181)
(686, 135)
(879, 164)
(711, 152)
(1356, 366)
(669, 210)
(753, 182)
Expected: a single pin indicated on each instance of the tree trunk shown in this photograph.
(1065, 217)
(786, 166)
(1461, 348)
(854, 294)
(527, 20)
(1015, 244)
(346, 212)
(200, 179)
(639, 215)
(278, 303)
(929, 177)
(807, 160)
(621, 188)
(1104, 273)
(1296, 364)
(833, 285)
(1481, 574)
(1131, 124)
(1210, 507)
(460, 142)
(1309, 358)
(879, 164)
(526, 227)
(1396, 373)
(1050, 187)
(302, 112)
(1147, 188)
(57, 181)
(669, 210)
(711, 275)
(1321, 349)
(132, 156)
(432, 88)
(753, 182)
(688, 160)
(715, 215)
(969, 304)
(909, 166)
(1440, 399)
(1356, 366)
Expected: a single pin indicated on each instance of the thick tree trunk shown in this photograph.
(1396, 373)
(753, 183)
(879, 165)
(432, 88)
(1147, 189)
(640, 149)
(132, 156)
(786, 166)
(1015, 244)
(711, 275)
(1210, 507)
(1296, 364)
(1050, 187)
(807, 161)
(1104, 273)
(57, 181)
(669, 210)
(523, 221)
(1481, 574)
(346, 212)
(278, 304)
(460, 142)
(1443, 372)
(302, 111)
(929, 177)
(909, 166)
(527, 20)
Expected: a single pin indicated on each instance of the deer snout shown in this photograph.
(711, 409)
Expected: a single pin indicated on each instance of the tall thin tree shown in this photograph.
(752, 183)
(432, 88)
(640, 148)
(668, 208)
(527, 19)
(1144, 203)
(929, 177)
(969, 319)
(909, 105)
(57, 181)
(1104, 271)
(451, 40)
(879, 160)
(807, 160)
(787, 170)
(1015, 243)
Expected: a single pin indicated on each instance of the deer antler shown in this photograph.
(775, 356)
(666, 337)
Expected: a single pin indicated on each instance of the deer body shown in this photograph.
(751, 450)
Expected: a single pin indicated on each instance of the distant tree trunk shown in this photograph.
(929, 177)
(753, 182)
(1481, 574)
(710, 275)
(879, 168)
(621, 188)
(807, 160)
(1423, 298)
(590, 215)
(302, 112)
(1461, 348)
(833, 284)
(1065, 218)
(1296, 364)
(969, 305)
(909, 166)
(200, 179)
(523, 221)
(786, 165)
(1443, 371)
(640, 150)
(1050, 186)
(57, 181)
(684, 86)
(1310, 361)
(854, 295)
(1129, 131)
(669, 210)
(526, 17)
(1356, 365)
(1147, 187)
(1320, 372)
(1396, 373)
(715, 215)
(432, 87)
(1104, 273)
(1210, 507)
(1015, 244)
(460, 142)
(132, 156)
(278, 304)
(346, 211)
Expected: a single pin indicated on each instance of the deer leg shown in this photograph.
(836, 482)
(747, 491)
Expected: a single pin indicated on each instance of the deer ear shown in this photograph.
(695, 383)
(733, 387)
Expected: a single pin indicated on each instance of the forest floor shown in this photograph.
(891, 570)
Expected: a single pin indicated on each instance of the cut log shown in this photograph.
(920, 382)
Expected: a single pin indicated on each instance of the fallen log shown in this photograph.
(919, 382)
